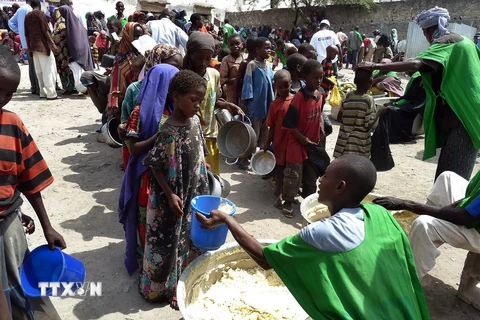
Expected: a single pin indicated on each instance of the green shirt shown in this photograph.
(375, 280)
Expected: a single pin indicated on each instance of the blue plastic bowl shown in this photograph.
(206, 239)
(42, 265)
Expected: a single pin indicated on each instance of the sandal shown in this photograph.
(174, 303)
(287, 210)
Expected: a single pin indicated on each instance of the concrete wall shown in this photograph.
(383, 16)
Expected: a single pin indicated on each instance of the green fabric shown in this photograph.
(401, 102)
(124, 21)
(359, 37)
(228, 31)
(376, 280)
(281, 56)
(387, 74)
(460, 88)
(473, 191)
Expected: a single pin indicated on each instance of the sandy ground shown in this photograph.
(82, 204)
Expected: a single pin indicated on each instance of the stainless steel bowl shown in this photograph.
(263, 162)
(109, 132)
(236, 139)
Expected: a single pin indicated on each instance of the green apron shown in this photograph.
(376, 280)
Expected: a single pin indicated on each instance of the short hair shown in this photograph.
(35, 3)
(322, 25)
(279, 41)
(118, 3)
(383, 41)
(196, 17)
(7, 60)
(116, 23)
(362, 76)
(291, 50)
(233, 36)
(223, 53)
(282, 74)
(226, 21)
(260, 41)
(250, 45)
(185, 81)
(311, 65)
(296, 59)
(305, 48)
(359, 173)
(356, 28)
(138, 61)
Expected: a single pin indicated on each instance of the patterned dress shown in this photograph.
(63, 57)
(179, 154)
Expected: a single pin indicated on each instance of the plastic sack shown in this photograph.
(335, 97)
(319, 158)
(381, 156)
(77, 71)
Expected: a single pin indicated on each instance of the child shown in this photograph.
(27, 174)
(257, 90)
(357, 117)
(276, 134)
(308, 51)
(9, 42)
(280, 53)
(94, 49)
(295, 64)
(304, 121)
(238, 85)
(224, 52)
(328, 70)
(290, 50)
(200, 48)
(178, 164)
(230, 66)
(102, 44)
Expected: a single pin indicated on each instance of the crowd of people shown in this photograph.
(164, 100)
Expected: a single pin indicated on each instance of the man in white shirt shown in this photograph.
(165, 30)
(342, 37)
(323, 39)
(17, 24)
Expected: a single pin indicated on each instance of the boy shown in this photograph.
(308, 51)
(27, 173)
(280, 53)
(257, 88)
(356, 264)
(94, 49)
(328, 71)
(276, 134)
(357, 117)
(304, 122)
(294, 65)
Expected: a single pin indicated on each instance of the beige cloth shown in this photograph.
(429, 233)
(46, 70)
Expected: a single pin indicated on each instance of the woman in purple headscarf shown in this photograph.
(77, 39)
(142, 128)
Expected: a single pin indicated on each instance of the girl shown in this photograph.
(200, 48)
(179, 170)
(141, 131)
(230, 65)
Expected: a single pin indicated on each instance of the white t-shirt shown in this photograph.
(321, 40)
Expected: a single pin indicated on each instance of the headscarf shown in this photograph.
(59, 21)
(197, 41)
(158, 54)
(434, 17)
(137, 15)
(77, 39)
(126, 45)
(153, 101)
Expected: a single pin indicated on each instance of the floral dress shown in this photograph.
(63, 57)
(179, 153)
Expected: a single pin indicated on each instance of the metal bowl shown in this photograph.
(236, 139)
(263, 162)
(110, 133)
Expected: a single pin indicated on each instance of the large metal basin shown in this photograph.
(203, 272)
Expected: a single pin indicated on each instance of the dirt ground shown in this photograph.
(82, 205)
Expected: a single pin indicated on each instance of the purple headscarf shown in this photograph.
(77, 39)
(153, 101)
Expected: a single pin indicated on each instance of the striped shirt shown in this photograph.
(328, 71)
(358, 115)
(22, 167)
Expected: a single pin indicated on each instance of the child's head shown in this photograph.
(218, 47)
(187, 90)
(250, 45)
(137, 65)
(115, 25)
(313, 73)
(307, 50)
(235, 44)
(92, 39)
(332, 52)
(290, 50)
(263, 48)
(280, 44)
(4, 35)
(363, 80)
(222, 54)
(9, 76)
(200, 50)
(282, 82)
(347, 181)
(295, 64)
(197, 20)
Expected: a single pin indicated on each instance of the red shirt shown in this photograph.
(305, 115)
(276, 113)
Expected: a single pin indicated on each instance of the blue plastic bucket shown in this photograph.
(43, 265)
(206, 239)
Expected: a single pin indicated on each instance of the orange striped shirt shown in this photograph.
(22, 167)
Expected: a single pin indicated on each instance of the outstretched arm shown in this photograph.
(405, 66)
